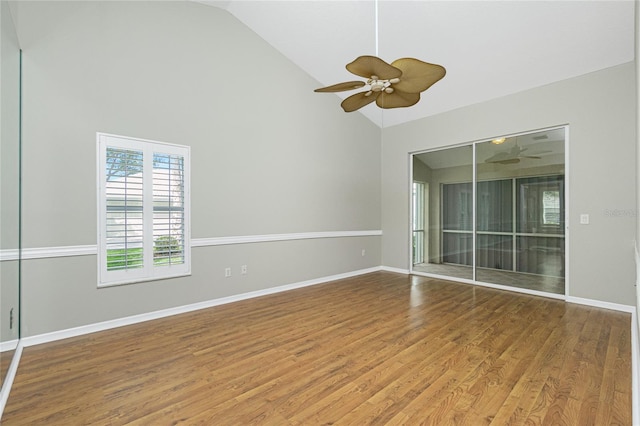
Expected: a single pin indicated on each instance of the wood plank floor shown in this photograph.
(380, 348)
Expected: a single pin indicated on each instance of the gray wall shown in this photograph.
(421, 172)
(600, 111)
(268, 155)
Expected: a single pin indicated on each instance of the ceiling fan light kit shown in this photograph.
(395, 85)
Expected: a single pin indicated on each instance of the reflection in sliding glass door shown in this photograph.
(494, 224)
(418, 222)
(533, 243)
(457, 224)
(541, 227)
(517, 235)
(448, 228)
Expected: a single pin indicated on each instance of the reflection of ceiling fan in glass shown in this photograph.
(394, 85)
(513, 155)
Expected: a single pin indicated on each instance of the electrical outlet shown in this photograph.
(243, 269)
(364, 252)
(227, 272)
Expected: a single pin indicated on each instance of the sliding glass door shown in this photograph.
(497, 211)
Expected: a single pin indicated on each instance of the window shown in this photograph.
(541, 205)
(457, 225)
(143, 210)
(551, 207)
(418, 222)
(534, 243)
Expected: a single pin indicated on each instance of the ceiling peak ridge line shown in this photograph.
(377, 37)
(377, 43)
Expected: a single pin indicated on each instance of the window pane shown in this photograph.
(124, 213)
(418, 247)
(495, 208)
(457, 248)
(418, 222)
(457, 206)
(541, 255)
(540, 205)
(168, 209)
(418, 206)
(494, 251)
(551, 207)
(447, 237)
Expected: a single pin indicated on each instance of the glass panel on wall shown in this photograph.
(9, 192)
(448, 211)
(518, 190)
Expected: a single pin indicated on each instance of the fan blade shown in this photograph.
(397, 99)
(367, 66)
(417, 76)
(502, 159)
(500, 156)
(358, 100)
(341, 87)
(531, 156)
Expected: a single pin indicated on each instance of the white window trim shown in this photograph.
(149, 272)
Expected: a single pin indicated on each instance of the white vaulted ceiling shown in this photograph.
(489, 48)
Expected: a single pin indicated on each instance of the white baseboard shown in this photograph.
(396, 270)
(134, 319)
(600, 304)
(9, 345)
(8, 379)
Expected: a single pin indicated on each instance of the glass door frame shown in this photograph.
(474, 281)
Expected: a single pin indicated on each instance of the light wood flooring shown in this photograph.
(381, 348)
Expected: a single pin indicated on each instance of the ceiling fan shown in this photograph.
(512, 156)
(394, 85)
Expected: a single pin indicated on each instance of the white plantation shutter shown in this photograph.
(168, 209)
(143, 209)
(124, 209)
